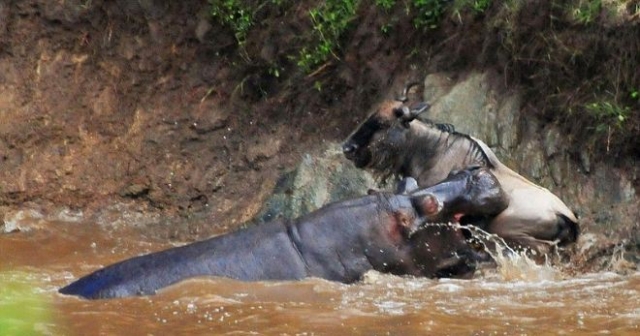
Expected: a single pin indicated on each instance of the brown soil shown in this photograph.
(116, 103)
(152, 105)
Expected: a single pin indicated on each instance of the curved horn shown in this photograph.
(420, 108)
(407, 114)
(403, 96)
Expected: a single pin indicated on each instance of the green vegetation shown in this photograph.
(561, 53)
(385, 4)
(428, 13)
(235, 15)
(479, 5)
(586, 11)
(330, 20)
(608, 115)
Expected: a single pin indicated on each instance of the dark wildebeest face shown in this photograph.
(393, 142)
(383, 130)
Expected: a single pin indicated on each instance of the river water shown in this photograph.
(537, 300)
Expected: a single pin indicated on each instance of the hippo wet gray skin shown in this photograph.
(392, 141)
(340, 242)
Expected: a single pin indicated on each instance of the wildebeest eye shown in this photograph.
(404, 113)
(399, 112)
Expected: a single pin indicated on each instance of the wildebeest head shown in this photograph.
(387, 141)
(375, 130)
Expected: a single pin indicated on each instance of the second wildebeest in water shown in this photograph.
(340, 242)
(392, 141)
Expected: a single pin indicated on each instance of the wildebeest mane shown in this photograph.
(391, 159)
(450, 129)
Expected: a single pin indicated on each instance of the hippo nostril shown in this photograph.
(461, 265)
(349, 148)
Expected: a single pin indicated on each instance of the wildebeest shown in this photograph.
(340, 242)
(393, 142)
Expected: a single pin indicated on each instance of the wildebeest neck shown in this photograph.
(425, 152)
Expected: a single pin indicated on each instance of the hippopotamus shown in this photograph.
(386, 232)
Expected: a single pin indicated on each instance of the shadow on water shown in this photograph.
(519, 297)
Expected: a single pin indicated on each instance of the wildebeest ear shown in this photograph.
(372, 191)
(419, 108)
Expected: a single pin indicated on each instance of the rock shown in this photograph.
(135, 190)
(585, 161)
(604, 196)
(315, 182)
(551, 142)
(20, 221)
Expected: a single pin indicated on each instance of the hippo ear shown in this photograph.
(406, 185)
(372, 191)
(406, 221)
(428, 205)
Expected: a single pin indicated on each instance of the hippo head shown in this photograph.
(473, 192)
(440, 247)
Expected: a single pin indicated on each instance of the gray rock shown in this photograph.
(315, 182)
(604, 195)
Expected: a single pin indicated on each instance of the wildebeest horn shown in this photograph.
(419, 109)
(407, 115)
(403, 96)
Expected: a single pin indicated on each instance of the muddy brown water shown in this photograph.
(538, 300)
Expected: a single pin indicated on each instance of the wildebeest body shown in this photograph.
(339, 242)
(393, 142)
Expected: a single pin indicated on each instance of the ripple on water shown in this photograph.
(599, 303)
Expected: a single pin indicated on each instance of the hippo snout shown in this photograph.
(462, 264)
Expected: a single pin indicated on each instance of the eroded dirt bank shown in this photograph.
(150, 109)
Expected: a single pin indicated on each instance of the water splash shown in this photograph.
(513, 265)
